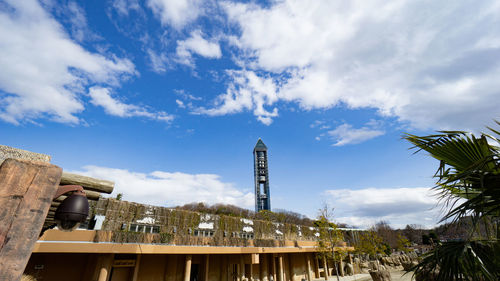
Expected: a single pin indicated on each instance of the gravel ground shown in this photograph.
(396, 276)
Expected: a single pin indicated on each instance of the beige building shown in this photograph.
(127, 241)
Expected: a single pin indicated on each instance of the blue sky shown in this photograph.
(167, 98)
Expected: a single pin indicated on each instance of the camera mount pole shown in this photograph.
(26, 192)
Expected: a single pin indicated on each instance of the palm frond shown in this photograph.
(460, 260)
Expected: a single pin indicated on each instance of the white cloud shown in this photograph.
(123, 7)
(431, 72)
(43, 72)
(180, 103)
(399, 206)
(176, 13)
(171, 188)
(158, 61)
(247, 91)
(346, 134)
(198, 45)
(102, 97)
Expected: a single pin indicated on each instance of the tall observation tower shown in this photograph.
(261, 176)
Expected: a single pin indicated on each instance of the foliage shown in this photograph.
(329, 236)
(370, 243)
(403, 244)
(119, 196)
(278, 216)
(468, 182)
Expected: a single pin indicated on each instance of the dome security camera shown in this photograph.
(72, 211)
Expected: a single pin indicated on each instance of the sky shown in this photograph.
(168, 97)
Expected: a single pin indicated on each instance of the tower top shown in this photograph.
(260, 146)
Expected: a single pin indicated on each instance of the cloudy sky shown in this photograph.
(168, 97)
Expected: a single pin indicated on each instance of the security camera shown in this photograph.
(72, 211)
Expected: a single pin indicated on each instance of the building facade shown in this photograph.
(261, 177)
(127, 241)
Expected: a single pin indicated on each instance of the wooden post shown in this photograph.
(207, 261)
(136, 267)
(187, 271)
(26, 191)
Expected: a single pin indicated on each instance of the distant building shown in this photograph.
(261, 177)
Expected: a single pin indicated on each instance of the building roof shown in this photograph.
(260, 145)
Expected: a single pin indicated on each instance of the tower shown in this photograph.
(261, 177)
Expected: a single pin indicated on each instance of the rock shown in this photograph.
(364, 266)
(408, 265)
(349, 269)
(380, 275)
(373, 265)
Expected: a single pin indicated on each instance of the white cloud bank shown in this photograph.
(176, 13)
(399, 206)
(346, 134)
(198, 45)
(438, 71)
(44, 73)
(171, 188)
(102, 97)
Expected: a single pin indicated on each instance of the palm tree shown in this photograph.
(468, 182)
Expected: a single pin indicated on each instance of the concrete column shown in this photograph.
(316, 266)
(242, 268)
(106, 263)
(341, 269)
(263, 268)
(325, 268)
(308, 266)
(273, 263)
(171, 262)
(223, 268)
(281, 276)
(207, 267)
(187, 271)
(250, 274)
(291, 266)
(136, 267)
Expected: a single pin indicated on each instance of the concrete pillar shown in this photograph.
(207, 261)
(105, 265)
(242, 268)
(291, 266)
(136, 267)
(341, 269)
(171, 262)
(281, 276)
(316, 266)
(223, 268)
(187, 271)
(273, 263)
(325, 268)
(308, 266)
(250, 274)
(264, 274)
